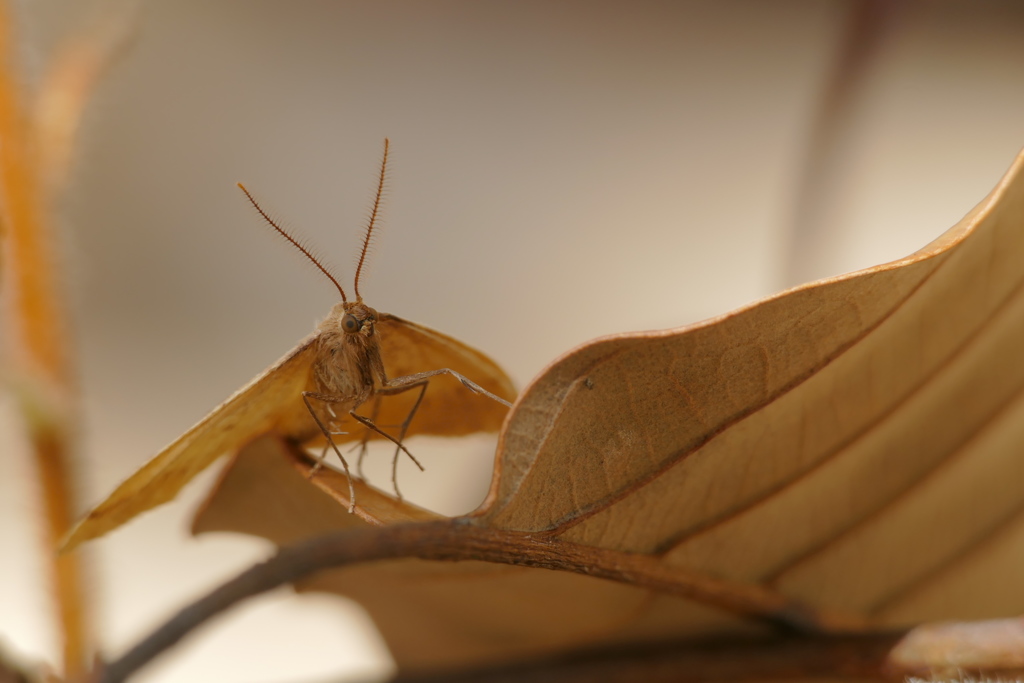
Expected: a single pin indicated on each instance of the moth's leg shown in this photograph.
(323, 454)
(404, 427)
(319, 462)
(366, 436)
(365, 421)
(410, 380)
(306, 395)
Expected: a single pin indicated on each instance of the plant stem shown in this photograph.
(453, 540)
(38, 362)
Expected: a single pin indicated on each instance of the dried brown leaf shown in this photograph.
(851, 444)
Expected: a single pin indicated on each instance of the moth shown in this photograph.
(356, 357)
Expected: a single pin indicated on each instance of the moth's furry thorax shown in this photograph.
(348, 362)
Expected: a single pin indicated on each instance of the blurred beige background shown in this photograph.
(561, 170)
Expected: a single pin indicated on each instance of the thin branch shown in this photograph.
(37, 343)
(459, 539)
(869, 24)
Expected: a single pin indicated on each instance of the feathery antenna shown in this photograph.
(295, 243)
(373, 217)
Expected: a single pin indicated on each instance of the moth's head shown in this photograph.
(354, 318)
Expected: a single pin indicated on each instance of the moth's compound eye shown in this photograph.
(350, 323)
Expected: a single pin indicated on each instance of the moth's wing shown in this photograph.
(271, 402)
(448, 408)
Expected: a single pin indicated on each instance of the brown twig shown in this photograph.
(454, 540)
(982, 648)
(870, 22)
(38, 363)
